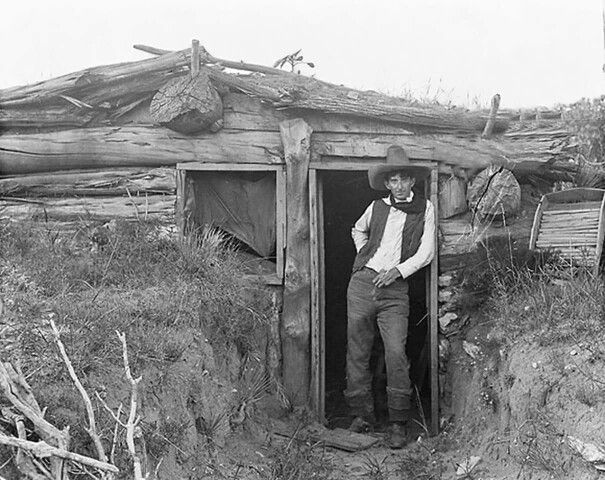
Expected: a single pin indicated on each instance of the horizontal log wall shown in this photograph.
(129, 146)
(95, 209)
(124, 158)
(112, 182)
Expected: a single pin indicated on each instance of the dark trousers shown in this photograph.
(388, 307)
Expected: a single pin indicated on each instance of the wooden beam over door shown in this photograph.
(296, 314)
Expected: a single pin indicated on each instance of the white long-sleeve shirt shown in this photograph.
(388, 254)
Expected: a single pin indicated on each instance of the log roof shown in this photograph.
(108, 96)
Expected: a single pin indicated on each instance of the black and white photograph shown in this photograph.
(305, 240)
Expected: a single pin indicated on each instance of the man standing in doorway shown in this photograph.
(394, 238)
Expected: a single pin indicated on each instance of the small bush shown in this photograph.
(498, 265)
(585, 119)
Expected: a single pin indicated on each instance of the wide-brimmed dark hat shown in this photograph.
(397, 160)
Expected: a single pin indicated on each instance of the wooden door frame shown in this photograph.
(317, 391)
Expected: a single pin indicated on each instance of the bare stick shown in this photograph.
(42, 449)
(132, 420)
(114, 441)
(206, 58)
(92, 425)
(115, 416)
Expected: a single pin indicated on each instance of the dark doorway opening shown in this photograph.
(346, 194)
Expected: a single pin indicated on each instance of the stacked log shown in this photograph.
(101, 94)
(97, 195)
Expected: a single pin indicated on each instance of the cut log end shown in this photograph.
(187, 105)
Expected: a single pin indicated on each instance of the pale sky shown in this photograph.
(532, 52)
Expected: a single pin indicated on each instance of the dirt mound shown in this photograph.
(520, 407)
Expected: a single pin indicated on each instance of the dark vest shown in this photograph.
(410, 239)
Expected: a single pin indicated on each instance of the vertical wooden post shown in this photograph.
(181, 194)
(433, 309)
(280, 214)
(489, 125)
(195, 58)
(296, 313)
(317, 296)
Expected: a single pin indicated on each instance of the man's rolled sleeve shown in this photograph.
(361, 229)
(426, 250)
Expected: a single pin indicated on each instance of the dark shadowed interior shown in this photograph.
(346, 194)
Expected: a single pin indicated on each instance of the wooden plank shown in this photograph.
(600, 236)
(355, 164)
(569, 224)
(578, 219)
(574, 195)
(296, 138)
(433, 310)
(223, 167)
(337, 438)
(594, 227)
(563, 207)
(568, 246)
(344, 440)
(560, 215)
(317, 400)
(280, 217)
(572, 237)
(131, 146)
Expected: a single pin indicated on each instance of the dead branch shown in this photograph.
(92, 425)
(23, 462)
(42, 449)
(132, 421)
(16, 390)
(115, 416)
(114, 441)
(206, 58)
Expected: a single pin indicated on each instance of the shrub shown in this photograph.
(586, 121)
(552, 309)
(498, 265)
